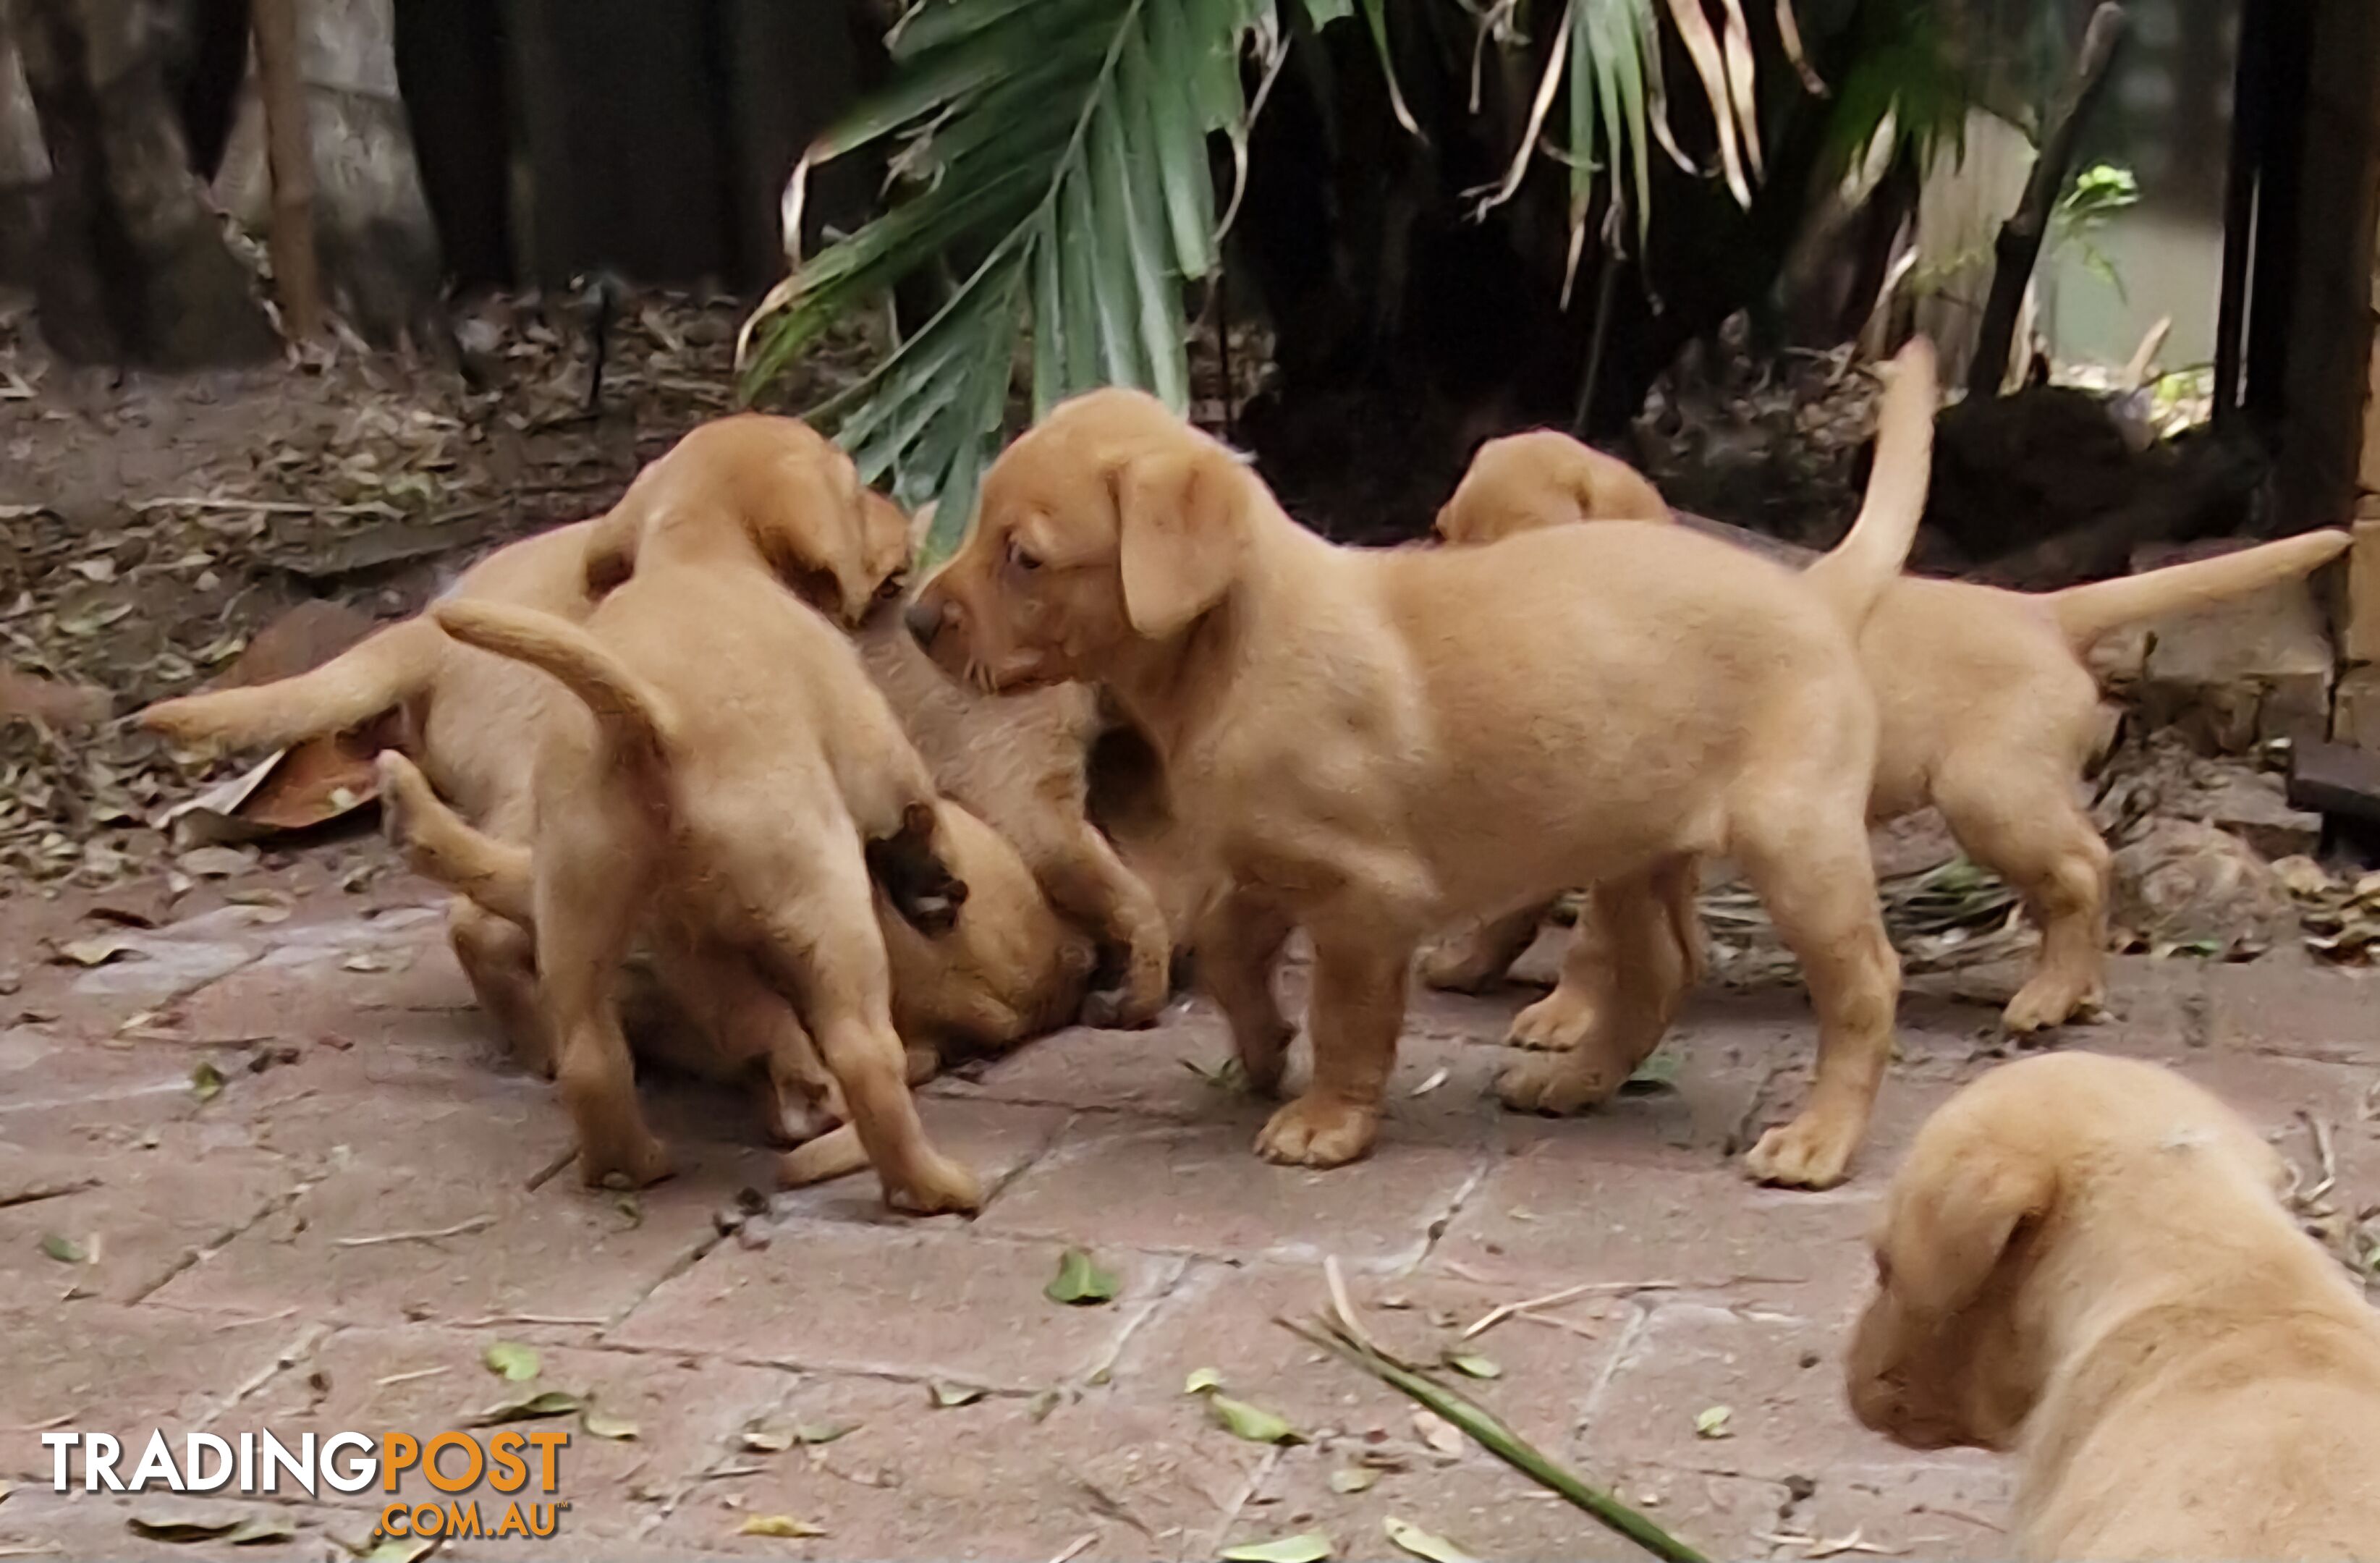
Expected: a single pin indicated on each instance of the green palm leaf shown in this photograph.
(1058, 149)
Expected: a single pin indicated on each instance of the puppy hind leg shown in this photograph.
(499, 958)
(1627, 972)
(1480, 954)
(1239, 941)
(827, 955)
(1357, 1012)
(1813, 875)
(588, 913)
(2030, 832)
(752, 1026)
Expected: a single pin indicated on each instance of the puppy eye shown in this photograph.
(1018, 556)
(895, 585)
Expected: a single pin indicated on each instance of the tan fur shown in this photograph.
(1986, 711)
(2084, 1261)
(715, 791)
(1366, 743)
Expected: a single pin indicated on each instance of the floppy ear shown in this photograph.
(1950, 1233)
(1180, 533)
(611, 555)
(812, 532)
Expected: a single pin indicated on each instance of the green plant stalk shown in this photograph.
(1484, 1430)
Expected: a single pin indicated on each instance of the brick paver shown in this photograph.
(334, 1235)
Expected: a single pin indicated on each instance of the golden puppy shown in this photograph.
(1366, 743)
(734, 783)
(2084, 1261)
(1986, 711)
(467, 715)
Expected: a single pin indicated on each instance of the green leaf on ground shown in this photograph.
(1080, 1283)
(1252, 1422)
(1473, 1366)
(206, 1081)
(552, 1402)
(1353, 1479)
(1310, 1547)
(823, 1432)
(1711, 1422)
(180, 1525)
(64, 1250)
(1658, 1073)
(778, 1525)
(1422, 1543)
(948, 1395)
(601, 1424)
(509, 1360)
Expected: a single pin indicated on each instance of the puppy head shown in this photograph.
(766, 485)
(1522, 482)
(1952, 1348)
(1114, 521)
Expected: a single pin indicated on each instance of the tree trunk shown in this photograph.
(288, 154)
(133, 265)
(24, 166)
(373, 233)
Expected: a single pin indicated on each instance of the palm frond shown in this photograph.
(1056, 151)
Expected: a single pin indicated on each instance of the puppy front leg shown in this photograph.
(2029, 831)
(1086, 882)
(1239, 941)
(1357, 1010)
(1483, 952)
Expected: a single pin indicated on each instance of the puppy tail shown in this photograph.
(437, 844)
(634, 715)
(373, 676)
(835, 1154)
(1854, 574)
(2086, 613)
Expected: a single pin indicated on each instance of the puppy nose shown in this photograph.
(924, 621)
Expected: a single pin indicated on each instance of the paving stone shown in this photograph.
(97, 1525)
(2286, 1003)
(981, 1481)
(1222, 1316)
(426, 1005)
(360, 1238)
(1200, 1188)
(1558, 1213)
(997, 1140)
(99, 1367)
(152, 1215)
(1778, 1375)
(686, 1412)
(930, 1300)
(1490, 1510)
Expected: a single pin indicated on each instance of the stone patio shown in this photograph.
(334, 1237)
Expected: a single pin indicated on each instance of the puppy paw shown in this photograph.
(2050, 1000)
(1809, 1152)
(1558, 1086)
(1319, 1131)
(935, 1187)
(1555, 1023)
(914, 878)
(1465, 966)
(632, 1163)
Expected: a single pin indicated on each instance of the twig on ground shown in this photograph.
(1498, 1314)
(475, 1224)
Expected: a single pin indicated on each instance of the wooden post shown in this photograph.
(2019, 244)
(289, 154)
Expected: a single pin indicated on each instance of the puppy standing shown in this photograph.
(1984, 706)
(1367, 744)
(2084, 1261)
(729, 761)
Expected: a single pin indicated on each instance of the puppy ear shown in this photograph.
(611, 555)
(1180, 533)
(812, 532)
(922, 524)
(1949, 1232)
